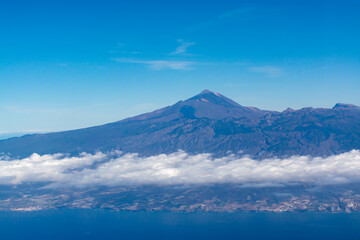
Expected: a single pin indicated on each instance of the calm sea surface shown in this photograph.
(99, 224)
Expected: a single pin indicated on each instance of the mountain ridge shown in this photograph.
(208, 122)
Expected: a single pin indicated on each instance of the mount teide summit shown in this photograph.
(207, 104)
(208, 123)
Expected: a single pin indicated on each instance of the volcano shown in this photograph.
(208, 123)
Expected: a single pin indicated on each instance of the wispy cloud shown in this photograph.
(268, 70)
(160, 64)
(223, 17)
(116, 169)
(47, 110)
(234, 13)
(25, 131)
(183, 47)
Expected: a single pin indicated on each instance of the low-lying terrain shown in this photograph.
(213, 198)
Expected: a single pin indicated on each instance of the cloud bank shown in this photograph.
(116, 169)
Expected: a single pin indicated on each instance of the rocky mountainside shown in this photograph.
(212, 123)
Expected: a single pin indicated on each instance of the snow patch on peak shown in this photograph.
(217, 94)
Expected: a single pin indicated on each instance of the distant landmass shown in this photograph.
(239, 171)
(208, 123)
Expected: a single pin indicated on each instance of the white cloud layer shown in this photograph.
(115, 169)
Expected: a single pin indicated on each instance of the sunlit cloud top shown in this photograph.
(116, 169)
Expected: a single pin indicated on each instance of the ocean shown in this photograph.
(102, 224)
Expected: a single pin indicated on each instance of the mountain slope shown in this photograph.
(209, 122)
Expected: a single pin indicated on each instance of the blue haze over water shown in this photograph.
(99, 224)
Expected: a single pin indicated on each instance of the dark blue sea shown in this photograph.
(99, 224)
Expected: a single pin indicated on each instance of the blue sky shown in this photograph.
(72, 64)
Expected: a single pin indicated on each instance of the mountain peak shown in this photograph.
(345, 106)
(207, 91)
(207, 104)
(212, 97)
